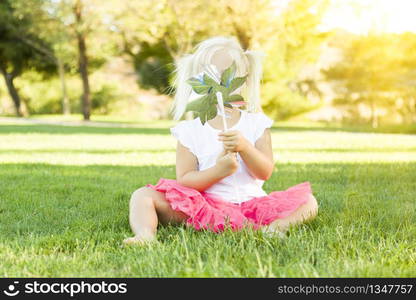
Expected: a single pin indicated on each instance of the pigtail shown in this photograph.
(255, 72)
(183, 72)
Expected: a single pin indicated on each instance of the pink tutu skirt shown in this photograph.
(207, 211)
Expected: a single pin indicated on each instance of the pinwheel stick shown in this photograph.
(222, 110)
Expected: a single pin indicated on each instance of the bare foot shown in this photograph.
(273, 232)
(139, 240)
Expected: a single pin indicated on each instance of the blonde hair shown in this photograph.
(189, 65)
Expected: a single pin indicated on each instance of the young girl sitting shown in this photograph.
(211, 161)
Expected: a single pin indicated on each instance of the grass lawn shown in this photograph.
(64, 193)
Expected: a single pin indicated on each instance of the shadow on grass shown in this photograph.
(64, 129)
(158, 150)
(405, 129)
(85, 151)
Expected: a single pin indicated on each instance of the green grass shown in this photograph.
(64, 193)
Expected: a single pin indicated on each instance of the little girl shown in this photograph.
(210, 161)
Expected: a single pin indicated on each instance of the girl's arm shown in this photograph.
(258, 158)
(187, 173)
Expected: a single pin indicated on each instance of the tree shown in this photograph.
(48, 27)
(374, 74)
(296, 41)
(16, 53)
(154, 34)
(80, 22)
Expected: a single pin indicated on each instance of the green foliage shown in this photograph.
(289, 104)
(151, 35)
(102, 99)
(16, 52)
(45, 96)
(153, 65)
(373, 73)
(297, 43)
(154, 35)
(171, 29)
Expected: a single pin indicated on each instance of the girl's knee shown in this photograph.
(141, 193)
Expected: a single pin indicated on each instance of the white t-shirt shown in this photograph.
(202, 141)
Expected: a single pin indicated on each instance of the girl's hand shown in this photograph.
(227, 162)
(233, 140)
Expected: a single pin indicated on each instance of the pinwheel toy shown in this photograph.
(216, 93)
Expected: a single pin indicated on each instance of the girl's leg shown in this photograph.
(305, 212)
(147, 208)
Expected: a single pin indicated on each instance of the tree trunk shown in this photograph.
(83, 63)
(66, 110)
(9, 77)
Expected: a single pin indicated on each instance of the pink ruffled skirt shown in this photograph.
(207, 211)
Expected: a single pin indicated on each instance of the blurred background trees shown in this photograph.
(18, 53)
(376, 72)
(116, 57)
